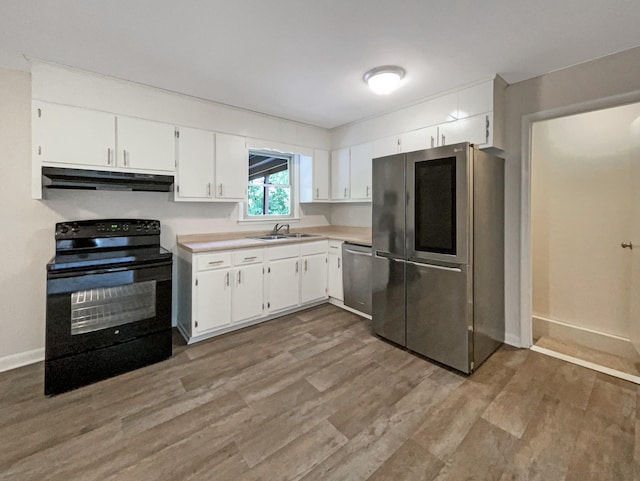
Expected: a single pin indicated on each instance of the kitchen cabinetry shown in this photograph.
(314, 177)
(420, 139)
(212, 293)
(340, 166)
(283, 277)
(231, 167)
(334, 281)
(360, 172)
(385, 146)
(247, 299)
(71, 135)
(195, 153)
(87, 138)
(313, 270)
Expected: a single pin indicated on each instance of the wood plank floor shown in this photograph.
(314, 396)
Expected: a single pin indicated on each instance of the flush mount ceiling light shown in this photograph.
(384, 80)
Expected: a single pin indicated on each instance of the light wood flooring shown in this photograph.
(314, 396)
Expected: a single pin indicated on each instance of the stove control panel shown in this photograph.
(107, 228)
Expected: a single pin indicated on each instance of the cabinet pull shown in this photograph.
(433, 141)
(209, 189)
(345, 192)
(317, 192)
(239, 277)
(367, 191)
(338, 263)
(443, 139)
(227, 279)
(487, 129)
(305, 265)
(252, 258)
(220, 190)
(213, 263)
(125, 156)
(109, 156)
(296, 267)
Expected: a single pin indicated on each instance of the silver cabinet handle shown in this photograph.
(367, 191)
(443, 139)
(345, 192)
(338, 263)
(624, 245)
(220, 190)
(228, 279)
(252, 258)
(109, 156)
(209, 189)
(305, 265)
(317, 192)
(239, 277)
(214, 263)
(433, 141)
(296, 267)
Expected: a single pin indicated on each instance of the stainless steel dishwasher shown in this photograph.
(356, 276)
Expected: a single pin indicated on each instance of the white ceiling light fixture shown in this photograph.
(384, 80)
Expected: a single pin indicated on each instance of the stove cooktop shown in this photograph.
(108, 258)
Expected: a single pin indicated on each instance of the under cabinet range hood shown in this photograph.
(63, 178)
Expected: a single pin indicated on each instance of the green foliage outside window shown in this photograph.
(274, 190)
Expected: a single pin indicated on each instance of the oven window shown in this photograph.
(96, 309)
(435, 222)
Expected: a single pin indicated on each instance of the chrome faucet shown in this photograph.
(277, 227)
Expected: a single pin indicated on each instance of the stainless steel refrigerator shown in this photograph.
(438, 244)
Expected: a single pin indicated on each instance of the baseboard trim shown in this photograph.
(587, 364)
(20, 359)
(513, 340)
(340, 304)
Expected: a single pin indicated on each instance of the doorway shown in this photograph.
(585, 217)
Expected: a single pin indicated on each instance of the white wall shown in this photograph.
(27, 240)
(352, 214)
(581, 209)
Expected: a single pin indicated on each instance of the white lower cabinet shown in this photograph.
(334, 273)
(224, 290)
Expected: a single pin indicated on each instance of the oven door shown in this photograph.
(438, 204)
(97, 308)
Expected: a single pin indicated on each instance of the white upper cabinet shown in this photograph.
(420, 139)
(195, 154)
(71, 135)
(385, 146)
(232, 167)
(314, 177)
(145, 145)
(474, 129)
(340, 174)
(360, 172)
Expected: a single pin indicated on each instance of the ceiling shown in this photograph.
(304, 59)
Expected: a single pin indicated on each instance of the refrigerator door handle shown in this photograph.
(434, 266)
(389, 255)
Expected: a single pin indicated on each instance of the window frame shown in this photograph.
(293, 203)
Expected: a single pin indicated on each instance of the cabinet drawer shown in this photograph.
(248, 256)
(213, 261)
(335, 247)
(309, 248)
(283, 252)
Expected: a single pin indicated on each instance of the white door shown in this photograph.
(313, 285)
(385, 146)
(320, 175)
(72, 135)
(419, 139)
(340, 174)
(634, 238)
(472, 129)
(232, 167)
(145, 145)
(212, 300)
(284, 284)
(360, 171)
(195, 154)
(248, 294)
(335, 288)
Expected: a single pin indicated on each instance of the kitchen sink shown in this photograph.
(271, 237)
(300, 236)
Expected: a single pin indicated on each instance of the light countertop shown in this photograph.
(238, 240)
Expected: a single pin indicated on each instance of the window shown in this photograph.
(269, 189)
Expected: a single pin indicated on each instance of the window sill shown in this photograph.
(270, 221)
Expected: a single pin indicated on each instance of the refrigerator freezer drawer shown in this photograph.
(388, 319)
(439, 313)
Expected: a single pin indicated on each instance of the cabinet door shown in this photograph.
(212, 300)
(420, 139)
(386, 146)
(248, 294)
(284, 282)
(232, 167)
(335, 288)
(474, 129)
(72, 135)
(360, 171)
(340, 174)
(145, 145)
(320, 175)
(313, 285)
(195, 154)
